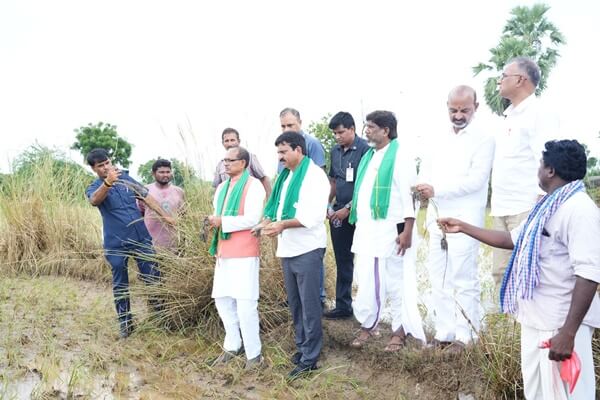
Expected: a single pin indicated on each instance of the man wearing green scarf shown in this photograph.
(383, 211)
(238, 207)
(295, 214)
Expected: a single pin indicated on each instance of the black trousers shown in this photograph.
(344, 259)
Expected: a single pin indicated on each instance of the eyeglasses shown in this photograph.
(507, 75)
(230, 160)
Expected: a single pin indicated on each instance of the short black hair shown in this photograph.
(385, 119)
(242, 154)
(342, 118)
(96, 156)
(567, 157)
(293, 139)
(230, 130)
(161, 162)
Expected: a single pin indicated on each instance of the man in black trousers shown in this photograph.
(345, 157)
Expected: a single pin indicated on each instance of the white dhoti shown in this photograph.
(236, 291)
(541, 376)
(391, 279)
(454, 286)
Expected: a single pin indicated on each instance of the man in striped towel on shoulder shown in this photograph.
(551, 279)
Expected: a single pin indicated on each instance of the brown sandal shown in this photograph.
(396, 343)
(364, 336)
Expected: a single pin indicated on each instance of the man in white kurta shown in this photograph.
(454, 176)
(379, 271)
(527, 125)
(236, 277)
(551, 281)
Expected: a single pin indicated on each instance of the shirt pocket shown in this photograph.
(113, 200)
(548, 245)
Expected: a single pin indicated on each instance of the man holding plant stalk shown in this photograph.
(295, 213)
(456, 188)
(551, 279)
(125, 234)
(238, 204)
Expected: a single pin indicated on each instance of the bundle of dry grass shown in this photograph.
(46, 225)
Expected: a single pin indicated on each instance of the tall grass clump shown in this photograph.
(46, 225)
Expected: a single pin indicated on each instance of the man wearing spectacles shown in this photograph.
(527, 126)
(231, 138)
(238, 207)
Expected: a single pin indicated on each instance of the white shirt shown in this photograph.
(310, 211)
(377, 238)
(519, 146)
(458, 167)
(572, 249)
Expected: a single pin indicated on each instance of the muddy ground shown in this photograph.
(58, 340)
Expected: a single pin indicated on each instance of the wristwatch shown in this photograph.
(348, 206)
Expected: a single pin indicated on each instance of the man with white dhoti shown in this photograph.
(550, 282)
(454, 176)
(238, 207)
(382, 200)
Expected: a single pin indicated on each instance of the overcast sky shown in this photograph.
(172, 74)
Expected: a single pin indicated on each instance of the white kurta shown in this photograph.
(377, 238)
(527, 127)
(239, 277)
(311, 209)
(458, 168)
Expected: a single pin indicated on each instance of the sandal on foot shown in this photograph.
(396, 343)
(363, 337)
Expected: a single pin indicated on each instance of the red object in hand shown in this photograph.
(569, 368)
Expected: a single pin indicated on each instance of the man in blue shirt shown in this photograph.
(290, 121)
(345, 157)
(125, 234)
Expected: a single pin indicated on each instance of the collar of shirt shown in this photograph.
(521, 107)
(353, 146)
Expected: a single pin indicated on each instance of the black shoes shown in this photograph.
(296, 358)
(301, 371)
(125, 329)
(336, 313)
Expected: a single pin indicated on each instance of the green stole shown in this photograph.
(233, 207)
(380, 194)
(291, 196)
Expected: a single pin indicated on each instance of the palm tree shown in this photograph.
(527, 33)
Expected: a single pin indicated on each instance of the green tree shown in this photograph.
(182, 172)
(526, 33)
(593, 164)
(320, 130)
(69, 178)
(103, 135)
